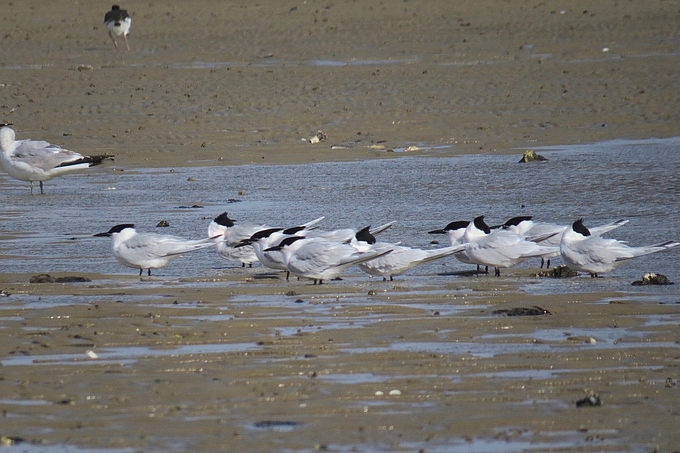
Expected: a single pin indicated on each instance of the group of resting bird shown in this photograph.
(306, 251)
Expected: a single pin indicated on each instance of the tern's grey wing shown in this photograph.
(399, 260)
(600, 230)
(156, 245)
(501, 245)
(381, 228)
(313, 257)
(554, 233)
(597, 250)
(140, 248)
(342, 235)
(234, 235)
(486, 253)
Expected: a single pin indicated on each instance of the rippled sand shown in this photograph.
(242, 364)
(216, 82)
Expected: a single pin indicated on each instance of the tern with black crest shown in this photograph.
(502, 248)
(583, 250)
(320, 259)
(149, 250)
(232, 234)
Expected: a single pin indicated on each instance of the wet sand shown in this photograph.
(270, 366)
(235, 82)
(238, 363)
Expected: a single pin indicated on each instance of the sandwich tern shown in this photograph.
(231, 235)
(263, 242)
(346, 234)
(525, 226)
(263, 239)
(35, 160)
(501, 248)
(149, 250)
(402, 259)
(118, 22)
(582, 250)
(456, 233)
(320, 259)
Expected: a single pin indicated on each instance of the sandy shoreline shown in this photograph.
(217, 83)
(242, 364)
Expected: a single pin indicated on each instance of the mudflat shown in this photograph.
(220, 83)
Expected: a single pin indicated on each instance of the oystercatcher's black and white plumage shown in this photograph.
(118, 22)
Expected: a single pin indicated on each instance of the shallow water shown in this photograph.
(601, 182)
(213, 348)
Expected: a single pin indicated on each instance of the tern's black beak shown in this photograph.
(283, 243)
(453, 226)
(243, 243)
(116, 229)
